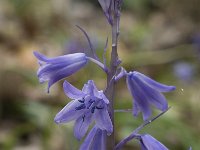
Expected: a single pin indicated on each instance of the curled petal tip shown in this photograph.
(173, 88)
(35, 53)
(57, 121)
(71, 91)
(39, 56)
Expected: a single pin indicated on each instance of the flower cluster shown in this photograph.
(91, 106)
(87, 106)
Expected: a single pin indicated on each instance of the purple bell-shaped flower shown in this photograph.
(146, 92)
(57, 68)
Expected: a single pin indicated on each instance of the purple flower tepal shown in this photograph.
(95, 140)
(57, 68)
(87, 106)
(147, 142)
(146, 92)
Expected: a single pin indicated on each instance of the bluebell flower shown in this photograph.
(146, 92)
(95, 140)
(87, 106)
(147, 142)
(57, 68)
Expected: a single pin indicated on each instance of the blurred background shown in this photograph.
(160, 38)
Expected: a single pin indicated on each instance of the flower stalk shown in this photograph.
(135, 132)
(101, 65)
(114, 63)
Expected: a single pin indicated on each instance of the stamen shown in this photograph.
(81, 100)
(93, 109)
(90, 103)
(82, 106)
(83, 117)
(99, 107)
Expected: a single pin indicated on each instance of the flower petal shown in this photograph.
(61, 59)
(143, 147)
(95, 140)
(40, 56)
(140, 101)
(103, 121)
(136, 109)
(103, 97)
(90, 88)
(152, 96)
(99, 141)
(72, 92)
(154, 84)
(151, 143)
(49, 69)
(65, 72)
(81, 125)
(69, 113)
(89, 139)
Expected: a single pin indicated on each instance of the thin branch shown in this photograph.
(134, 133)
(150, 120)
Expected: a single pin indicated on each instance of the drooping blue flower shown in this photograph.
(57, 68)
(146, 92)
(147, 142)
(87, 106)
(95, 140)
